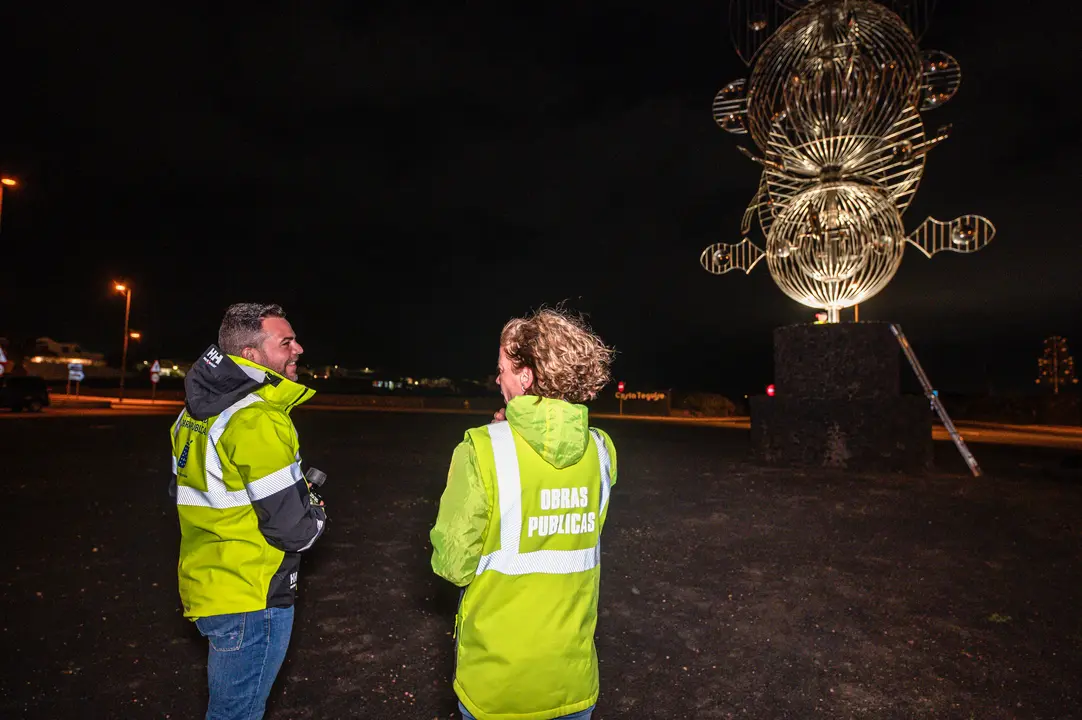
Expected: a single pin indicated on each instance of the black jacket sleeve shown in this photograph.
(288, 519)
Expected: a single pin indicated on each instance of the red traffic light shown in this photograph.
(620, 386)
(770, 390)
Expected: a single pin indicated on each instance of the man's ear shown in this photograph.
(248, 354)
(528, 374)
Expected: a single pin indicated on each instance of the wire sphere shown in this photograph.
(834, 71)
(835, 102)
(835, 244)
(883, 161)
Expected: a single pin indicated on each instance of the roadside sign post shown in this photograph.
(3, 361)
(155, 371)
(75, 373)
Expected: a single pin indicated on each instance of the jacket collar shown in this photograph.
(275, 389)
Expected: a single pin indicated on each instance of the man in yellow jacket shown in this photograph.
(519, 526)
(244, 505)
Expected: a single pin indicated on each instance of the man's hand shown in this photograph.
(500, 416)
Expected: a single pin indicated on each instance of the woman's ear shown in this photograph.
(526, 378)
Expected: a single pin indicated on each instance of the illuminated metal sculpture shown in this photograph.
(834, 105)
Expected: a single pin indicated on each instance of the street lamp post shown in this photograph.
(5, 182)
(126, 290)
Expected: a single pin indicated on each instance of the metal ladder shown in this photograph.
(933, 397)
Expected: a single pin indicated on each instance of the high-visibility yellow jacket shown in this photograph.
(519, 525)
(242, 499)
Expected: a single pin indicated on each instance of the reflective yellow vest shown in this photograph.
(525, 626)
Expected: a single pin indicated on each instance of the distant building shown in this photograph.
(49, 350)
(326, 372)
(169, 367)
(50, 359)
(443, 382)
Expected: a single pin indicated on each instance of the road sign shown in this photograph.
(155, 368)
(3, 360)
(154, 378)
(75, 372)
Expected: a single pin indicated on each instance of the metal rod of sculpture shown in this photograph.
(834, 105)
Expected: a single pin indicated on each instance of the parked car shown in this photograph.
(26, 392)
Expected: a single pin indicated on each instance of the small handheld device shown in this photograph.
(315, 478)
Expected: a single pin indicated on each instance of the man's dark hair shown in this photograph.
(242, 325)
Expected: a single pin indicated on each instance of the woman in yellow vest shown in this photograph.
(519, 526)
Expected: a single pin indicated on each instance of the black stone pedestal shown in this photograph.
(838, 402)
(865, 434)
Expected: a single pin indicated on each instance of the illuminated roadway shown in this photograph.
(1051, 436)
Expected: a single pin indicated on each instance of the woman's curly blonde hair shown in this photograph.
(568, 360)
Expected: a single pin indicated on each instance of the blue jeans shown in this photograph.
(581, 715)
(246, 652)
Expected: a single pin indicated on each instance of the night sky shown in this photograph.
(404, 181)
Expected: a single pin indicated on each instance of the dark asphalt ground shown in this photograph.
(728, 590)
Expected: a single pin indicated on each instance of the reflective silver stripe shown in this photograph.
(508, 560)
(255, 373)
(606, 470)
(319, 531)
(510, 485)
(219, 500)
(277, 481)
(217, 495)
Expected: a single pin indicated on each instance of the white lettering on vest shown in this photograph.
(508, 560)
(564, 498)
(564, 523)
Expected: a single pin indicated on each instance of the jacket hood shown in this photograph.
(558, 431)
(217, 380)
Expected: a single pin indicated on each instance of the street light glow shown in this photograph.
(124, 290)
(135, 335)
(6, 182)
